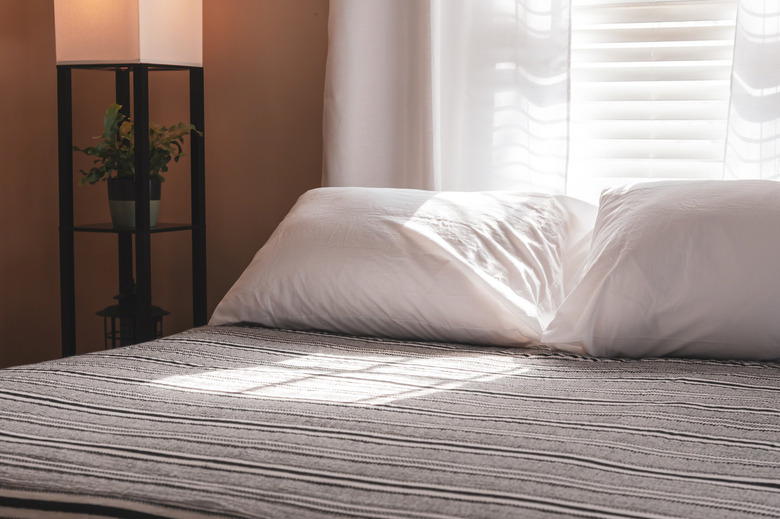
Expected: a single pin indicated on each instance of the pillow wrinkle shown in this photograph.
(476, 272)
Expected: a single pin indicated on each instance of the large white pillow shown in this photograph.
(679, 268)
(488, 267)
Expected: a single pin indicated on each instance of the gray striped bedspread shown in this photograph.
(251, 422)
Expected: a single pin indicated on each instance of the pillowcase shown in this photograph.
(679, 268)
(480, 267)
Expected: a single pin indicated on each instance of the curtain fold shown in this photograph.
(447, 94)
(753, 141)
(378, 112)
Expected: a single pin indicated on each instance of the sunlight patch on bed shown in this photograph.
(354, 380)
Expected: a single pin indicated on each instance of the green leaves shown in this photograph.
(116, 151)
(111, 122)
(166, 144)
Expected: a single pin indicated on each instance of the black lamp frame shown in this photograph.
(143, 323)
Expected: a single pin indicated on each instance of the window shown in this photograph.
(650, 85)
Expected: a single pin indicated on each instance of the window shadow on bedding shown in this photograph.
(360, 380)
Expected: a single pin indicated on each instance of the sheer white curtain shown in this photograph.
(447, 94)
(753, 144)
(478, 94)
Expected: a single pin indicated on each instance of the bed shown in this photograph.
(412, 354)
(239, 421)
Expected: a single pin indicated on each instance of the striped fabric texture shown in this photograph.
(253, 422)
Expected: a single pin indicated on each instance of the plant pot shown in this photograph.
(121, 201)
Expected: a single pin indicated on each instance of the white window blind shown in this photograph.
(650, 84)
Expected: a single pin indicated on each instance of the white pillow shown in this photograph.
(465, 267)
(679, 268)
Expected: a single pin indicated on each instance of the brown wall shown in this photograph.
(264, 63)
(266, 72)
(29, 275)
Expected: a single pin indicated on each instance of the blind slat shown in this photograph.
(682, 71)
(650, 148)
(682, 52)
(715, 112)
(664, 129)
(661, 91)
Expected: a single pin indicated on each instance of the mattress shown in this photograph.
(239, 421)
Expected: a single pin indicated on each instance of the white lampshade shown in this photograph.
(168, 32)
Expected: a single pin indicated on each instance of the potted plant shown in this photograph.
(115, 163)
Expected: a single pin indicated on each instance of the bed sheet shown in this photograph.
(239, 421)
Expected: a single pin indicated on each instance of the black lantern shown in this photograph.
(120, 331)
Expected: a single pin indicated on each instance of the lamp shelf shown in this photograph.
(123, 67)
(134, 245)
(130, 39)
(110, 229)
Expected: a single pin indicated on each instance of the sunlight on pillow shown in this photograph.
(680, 268)
(486, 268)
